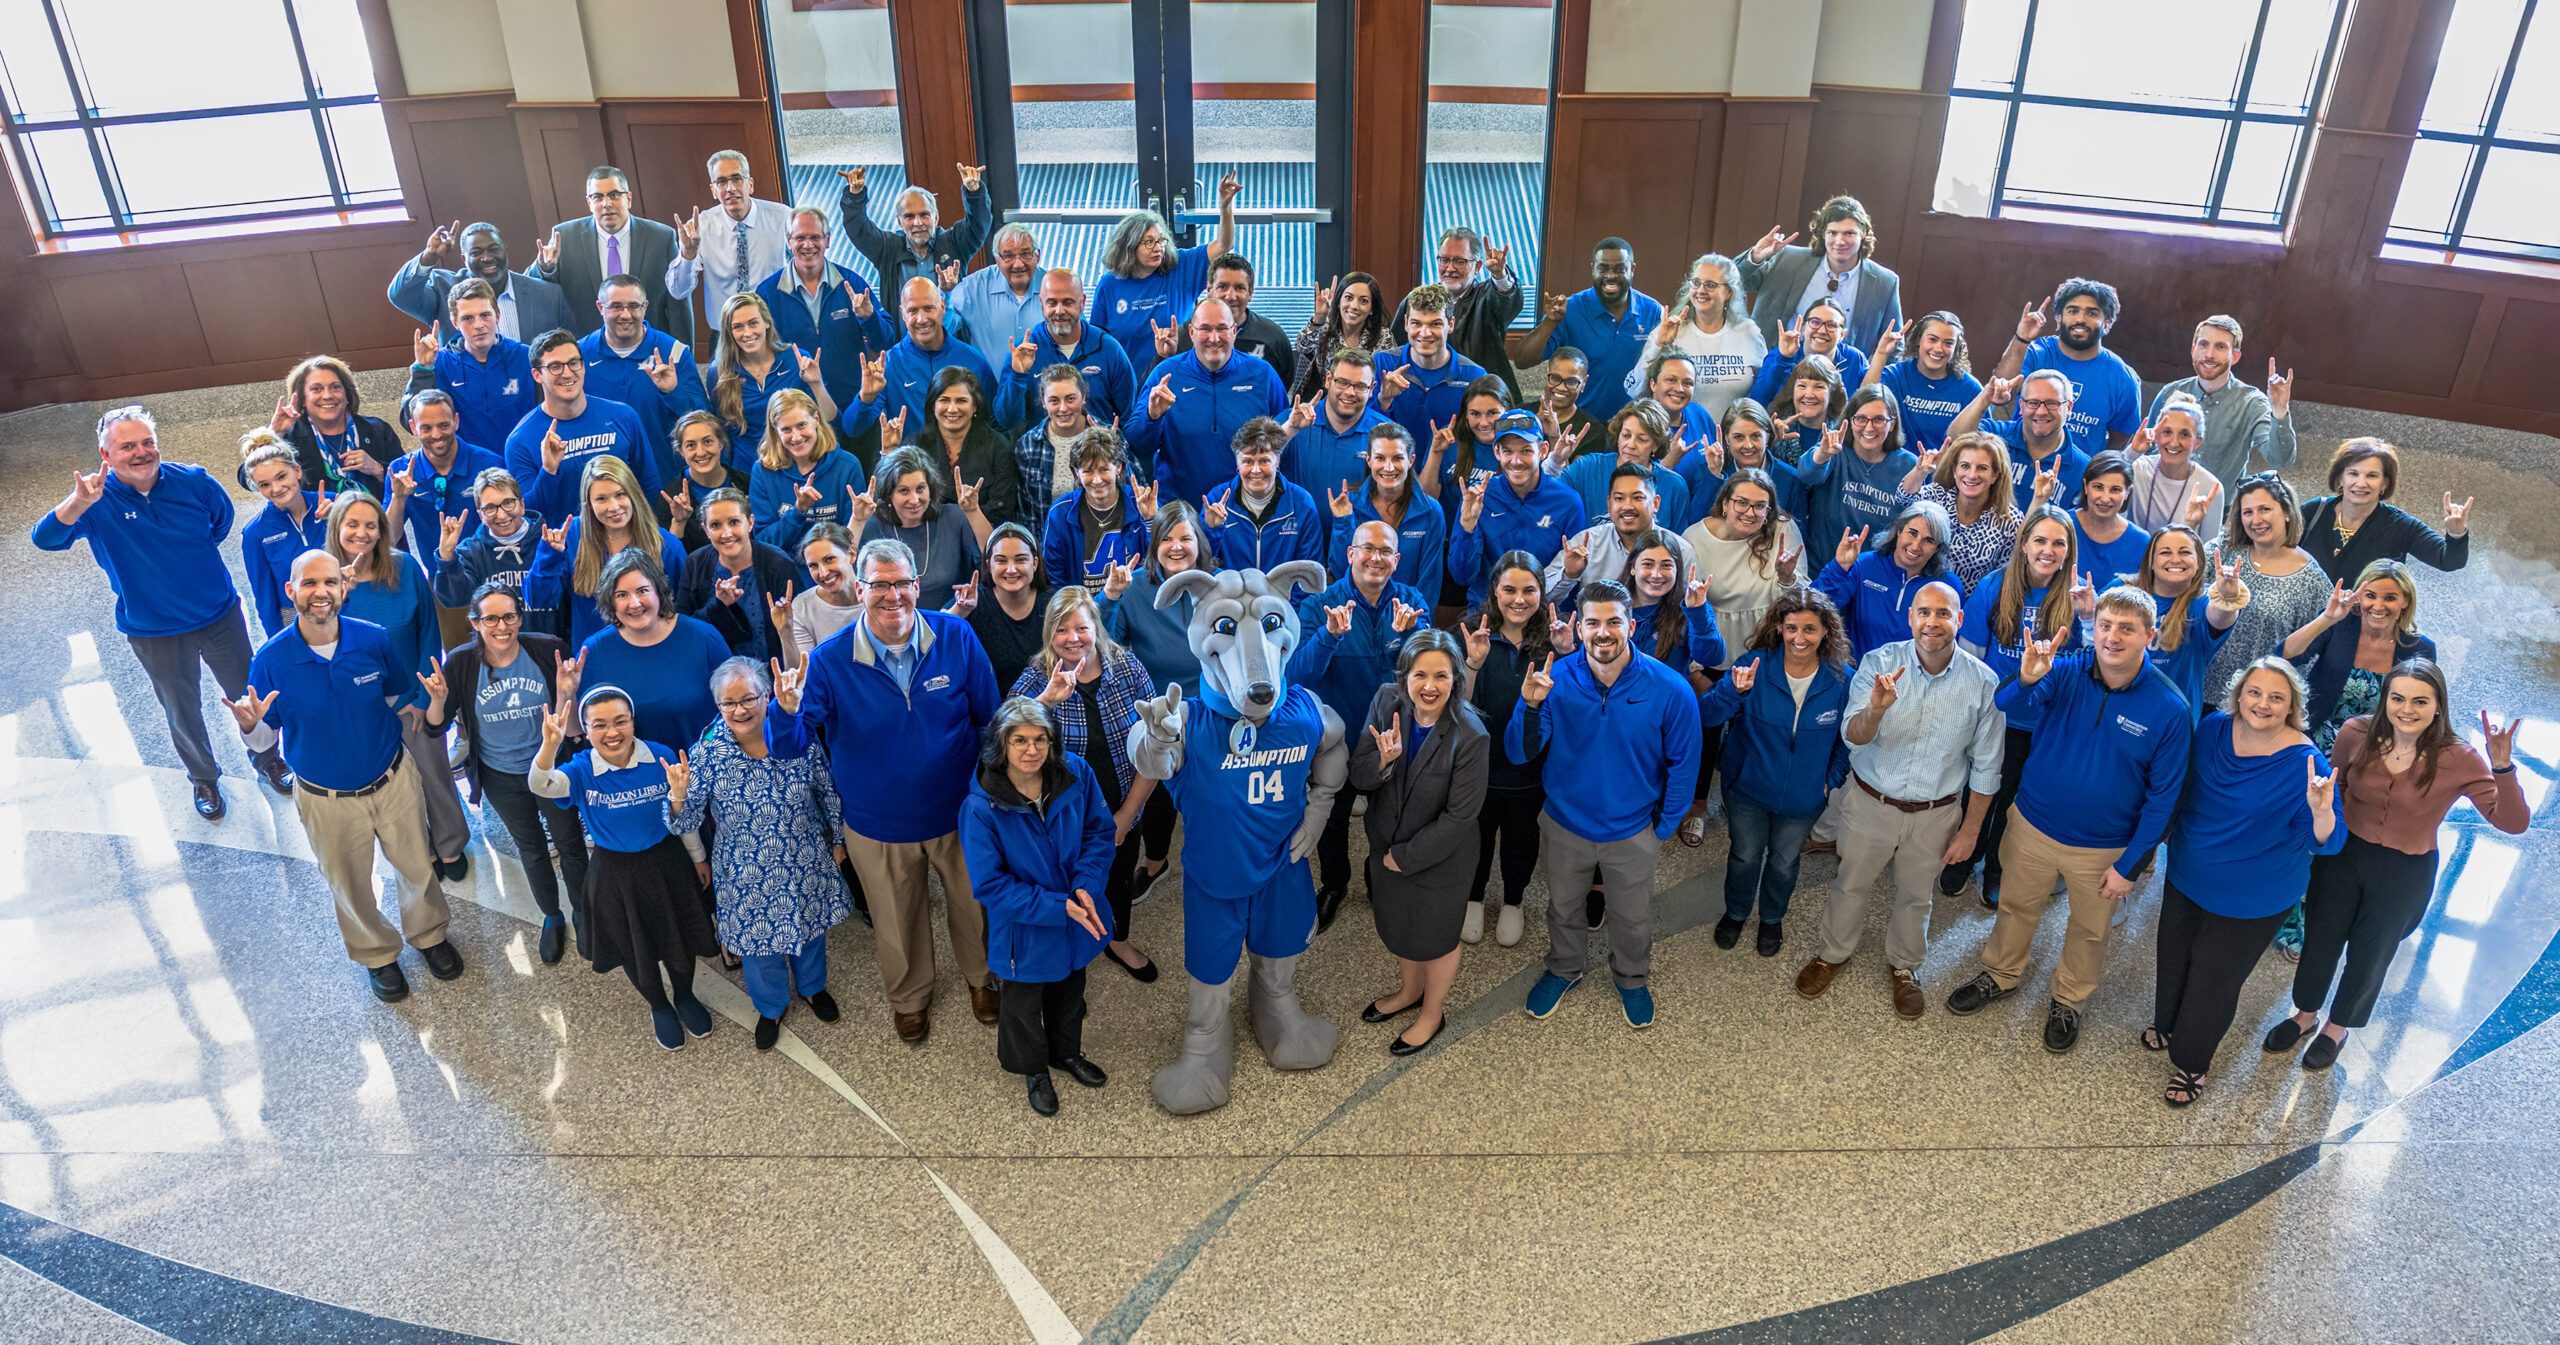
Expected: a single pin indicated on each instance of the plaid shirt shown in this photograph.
(1124, 683)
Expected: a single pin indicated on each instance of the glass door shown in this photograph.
(1485, 152)
(835, 80)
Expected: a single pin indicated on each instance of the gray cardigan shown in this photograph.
(1777, 283)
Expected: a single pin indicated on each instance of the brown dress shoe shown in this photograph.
(982, 1003)
(1907, 999)
(1816, 977)
(912, 1027)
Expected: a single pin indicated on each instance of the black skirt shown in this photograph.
(646, 908)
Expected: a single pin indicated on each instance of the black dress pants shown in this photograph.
(2204, 961)
(1039, 1023)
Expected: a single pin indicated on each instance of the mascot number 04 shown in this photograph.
(1253, 764)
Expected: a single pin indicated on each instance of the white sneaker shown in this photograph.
(1472, 931)
(1506, 928)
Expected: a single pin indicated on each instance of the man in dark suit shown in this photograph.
(527, 305)
(581, 252)
(1785, 279)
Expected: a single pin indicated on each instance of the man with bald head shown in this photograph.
(1354, 632)
(323, 690)
(1925, 738)
(901, 381)
(1064, 337)
(1197, 400)
(919, 246)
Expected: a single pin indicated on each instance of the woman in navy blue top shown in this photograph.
(644, 886)
(387, 586)
(1786, 697)
(2260, 801)
(2347, 661)
(1150, 283)
(750, 367)
(661, 661)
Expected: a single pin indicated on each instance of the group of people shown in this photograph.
(891, 590)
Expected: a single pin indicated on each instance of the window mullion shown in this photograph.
(2488, 131)
(2009, 121)
(2239, 118)
(319, 115)
(109, 188)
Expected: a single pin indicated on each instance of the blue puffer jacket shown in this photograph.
(1024, 865)
(1784, 761)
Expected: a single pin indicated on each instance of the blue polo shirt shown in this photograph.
(335, 713)
(162, 552)
(625, 810)
(1323, 460)
(1612, 345)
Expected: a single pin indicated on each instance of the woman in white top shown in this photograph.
(1709, 322)
(1749, 552)
(2169, 485)
(808, 618)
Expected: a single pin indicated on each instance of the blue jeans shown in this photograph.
(1767, 847)
(769, 976)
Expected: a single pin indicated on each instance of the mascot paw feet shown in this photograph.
(1190, 1086)
(1291, 1037)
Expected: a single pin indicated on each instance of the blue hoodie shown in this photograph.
(930, 730)
(1110, 381)
(1422, 541)
(169, 543)
(1296, 530)
(1875, 596)
(1784, 760)
(1062, 542)
(2108, 763)
(1026, 862)
(1346, 671)
(1628, 754)
(1539, 524)
(1193, 447)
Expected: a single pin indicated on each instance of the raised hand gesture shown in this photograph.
(2034, 318)
(1062, 682)
(1696, 594)
(87, 488)
(662, 375)
(1479, 640)
(424, 345)
(1560, 636)
(1324, 300)
(688, 232)
(1555, 307)
(786, 685)
(433, 681)
(2457, 517)
(1882, 691)
(2341, 603)
(2201, 507)
(1891, 340)
(854, 180)
(1405, 616)
(804, 496)
(2320, 791)
(555, 728)
(679, 779)
(1116, 577)
(448, 535)
(1163, 714)
(810, 372)
(1163, 333)
(2035, 659)
(441, 251)
(547, 257)
(1577, 555)
(286, 414)
(403, 485)
(1669, 331)
(1338, 499)
(679, 507)
(1390, 744)
(2141, 442)
(1160, 397)
(1538, 681)
(971, 175)
(946, 274)
(1145, 493)
(570, 673)
(2002, 390)
(858, 509)
(859, 301)
(1769, 243)
(1215, 513)
(2279, 390)
(556, 538)
(875, 377)
(1497, 262)
(1396, 381)
(781, 607)
(893, 430)
(1337, 621)
(1850, 545)
(1829, 448)
(1303, 414)
(554, 448)
(1024, 352)
(2084, 597)
(1229, 188)
(1744, 676)
(1444, 436)
(964, 597)
(1790, 339)
(251, 709)
(728, 590)
(2048, 479)
(2228, 590)
(2500, 742)
(1471, 502)
(1788, 559)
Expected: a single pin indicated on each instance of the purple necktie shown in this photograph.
(612, 255)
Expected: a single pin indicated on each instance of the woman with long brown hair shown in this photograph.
(2033, 597)
(1347, 316)
(751, 365)
(1786, 697)
(571, 561)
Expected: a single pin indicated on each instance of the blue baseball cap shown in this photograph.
(1522, 424)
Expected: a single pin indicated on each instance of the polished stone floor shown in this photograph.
(210, 1132)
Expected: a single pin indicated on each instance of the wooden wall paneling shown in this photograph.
(937, 115)
(559, 143)
(1866, 143)
(1642, 168)
(262, 307)
(1760, 172)
(664, 143)
(2516, 371)
(351, 282)
(125, 319)
(1391, 40)
(465, 149)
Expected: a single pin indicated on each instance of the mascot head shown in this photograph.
(1243, 630)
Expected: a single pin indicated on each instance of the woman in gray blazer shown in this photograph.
(1422, 757)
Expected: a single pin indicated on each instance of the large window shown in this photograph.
(130, 115)
(2193, 110)
(2484, 175)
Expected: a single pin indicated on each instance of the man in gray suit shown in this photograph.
(581, 253)
(1784, 279)
(527, 306)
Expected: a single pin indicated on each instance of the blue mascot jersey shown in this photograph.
(1243, 794)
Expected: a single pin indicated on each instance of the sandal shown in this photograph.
(2153, 1039)
(2184, 1088)
(1693, 832)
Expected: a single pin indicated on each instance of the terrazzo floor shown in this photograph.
(192, 1074)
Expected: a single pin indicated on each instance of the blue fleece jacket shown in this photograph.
(622, 378)
(1422, 541)
(407, 615)
(1784, 759)
(1345, 671)
(773, 495)
(1626, 754)
(162, 552)
(1874, 597)
(1110, 381)
(2242, 841)
(1296, 530)
(930, 729)
(490, 396)
(2107, 763)
(839, 338)
(1432, 397)
(1193, 447)
(1062, 542)
(1539, 523)
(1160, 639)
(1026, 862)
(269, 544)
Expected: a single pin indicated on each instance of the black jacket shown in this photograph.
(373, 434)
(748, 623)
(462, 681)
(2390, 533)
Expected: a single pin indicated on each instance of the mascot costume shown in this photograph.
(1253, 764)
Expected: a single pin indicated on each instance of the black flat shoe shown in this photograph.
(1728, 932)
(209, 804)
(555, 938)
(444, 961)
(768, 1031)
(823, 1006)
(455, 869)
(1328, 905)
(2323, 1053)
(390, 984)
(1401, 1047)
(2282, 1036)
(1144, 973)
(1373, 1014)
(1953, 880)
(1044, 1095)
(1991, 889)
(1084, 1071)
(1142, 880)
(1773, 936)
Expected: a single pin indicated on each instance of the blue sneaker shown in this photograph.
(1638, 1003)
(669, 1032)
(1549, 989)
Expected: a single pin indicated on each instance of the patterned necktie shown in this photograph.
(742, 278)
(613, 255)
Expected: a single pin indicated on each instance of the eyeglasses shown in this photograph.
(729, 703)
(2040, 404)
(1820, 325)
(1872, 422)
(625, 308)
(1566, 380)
(1741, 506)
(600, 197)
(1347, 385)
(1373, 549)
(892, 585)
(730, 180)
(499, 619)
(557, 367)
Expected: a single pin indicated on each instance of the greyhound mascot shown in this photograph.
(1254, 764)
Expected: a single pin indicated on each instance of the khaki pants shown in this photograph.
(343, 835)
(1873, 839)
(893, 878)
(2029, 862)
